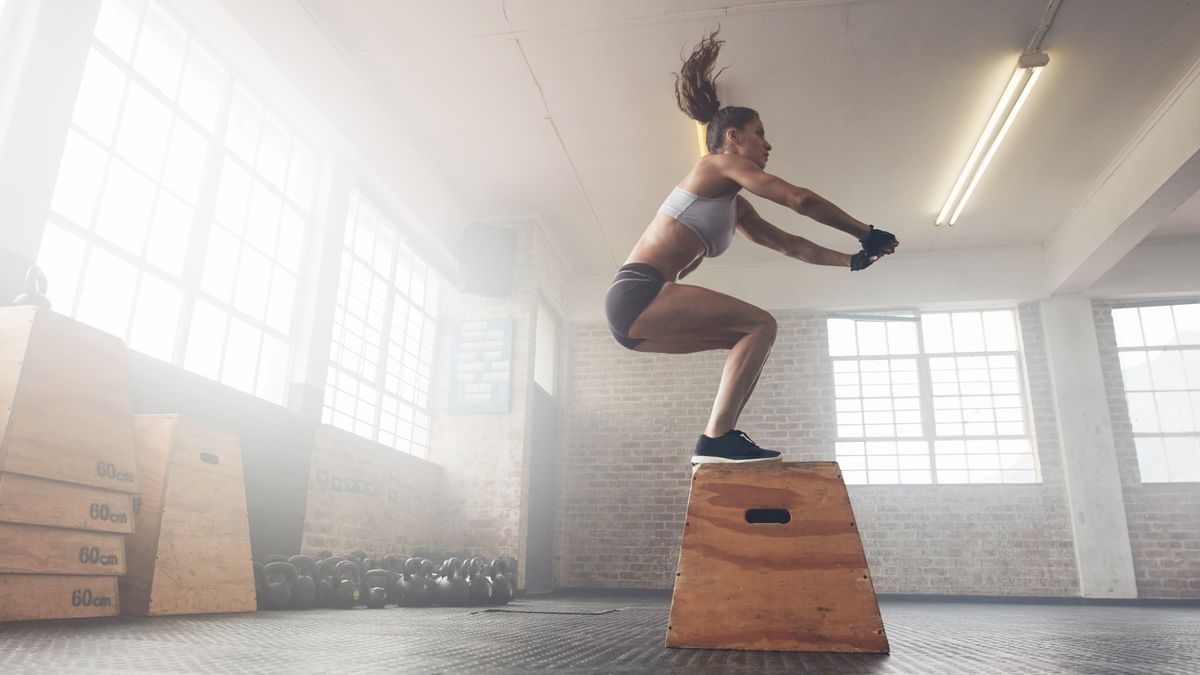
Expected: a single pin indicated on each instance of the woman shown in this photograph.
(650, 311)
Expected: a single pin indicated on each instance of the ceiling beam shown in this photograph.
(1151, 178)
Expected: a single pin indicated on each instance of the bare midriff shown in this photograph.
(667, 245)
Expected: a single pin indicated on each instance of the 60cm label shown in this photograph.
(85, 598)
(93, 556)
(110, 471)
(103, 512)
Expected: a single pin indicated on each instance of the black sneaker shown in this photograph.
(734, 446)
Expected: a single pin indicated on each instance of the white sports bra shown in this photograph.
(712, 219)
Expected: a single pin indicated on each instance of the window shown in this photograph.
(160, 137)
(1159, 350)
(930, 398)
(384, 331)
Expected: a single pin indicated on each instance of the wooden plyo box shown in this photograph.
(771, 559)
(64, 401)
(33, 549)
(35, 501)
(190, 553)
(26, 597)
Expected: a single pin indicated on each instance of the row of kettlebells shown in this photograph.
(300, 581)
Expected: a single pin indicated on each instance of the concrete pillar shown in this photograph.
(1102, 549)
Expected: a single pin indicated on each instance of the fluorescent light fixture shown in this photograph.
(1029, 68)
(702, 136)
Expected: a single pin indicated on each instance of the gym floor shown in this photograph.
(603, 633)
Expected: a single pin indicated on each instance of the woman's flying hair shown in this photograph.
(696, 93)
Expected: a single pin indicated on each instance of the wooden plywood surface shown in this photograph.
(197, 559)
(15, 325)
(37, 501)
(32, 596)
(154, 436)
(70, 417)
(802, 585)
(33, 549)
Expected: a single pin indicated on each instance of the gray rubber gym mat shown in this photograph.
(564, 634)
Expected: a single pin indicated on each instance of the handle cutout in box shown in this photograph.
(209, 458)
(768, 516)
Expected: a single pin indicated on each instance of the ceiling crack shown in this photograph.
(561, 144)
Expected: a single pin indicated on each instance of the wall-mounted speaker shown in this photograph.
(485, 260)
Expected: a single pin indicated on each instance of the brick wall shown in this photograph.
(632, 419)
(1163, 518)
(485, 456)
(364, 496)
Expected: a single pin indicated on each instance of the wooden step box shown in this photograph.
(36, 501)
(33, 549)
(64, 401)
(190, 553)
(771, 559)
(25, 597)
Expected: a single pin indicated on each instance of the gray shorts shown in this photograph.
(632, 290)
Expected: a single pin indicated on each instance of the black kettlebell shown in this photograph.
(480, 586)
(502, 589)
(452, 589)
(304, 594)
(376, 582)
(414, 587)
(326, 595)
(394, 564)
(280, 576)
(347, 584)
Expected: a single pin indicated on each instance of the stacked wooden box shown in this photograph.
(67, 478)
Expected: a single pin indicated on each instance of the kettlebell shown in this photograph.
(280, 576)
(414, 588)
(477, 581)
(376, 582)
(394, 564)
(304, 594)
(35, 289)
(326, 596)
(347, 584)
(502, 590)
(452, 589)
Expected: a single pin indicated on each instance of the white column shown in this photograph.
(1102, 549)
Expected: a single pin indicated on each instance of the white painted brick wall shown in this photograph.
(632, 420)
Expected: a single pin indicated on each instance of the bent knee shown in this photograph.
(765, 323)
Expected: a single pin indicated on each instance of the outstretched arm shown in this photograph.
(801, 200)
(753, 227)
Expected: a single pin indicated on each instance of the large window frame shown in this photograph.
(382, 350)
(939, 404)
(1158, 351)
(169, 135)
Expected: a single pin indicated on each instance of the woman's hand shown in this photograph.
(879, 242)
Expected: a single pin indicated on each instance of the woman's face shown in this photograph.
(751, 142)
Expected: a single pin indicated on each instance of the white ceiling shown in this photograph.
(562, 109)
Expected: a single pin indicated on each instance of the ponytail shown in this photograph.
(696, 93)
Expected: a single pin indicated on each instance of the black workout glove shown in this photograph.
(861, 260)
(879, 242)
